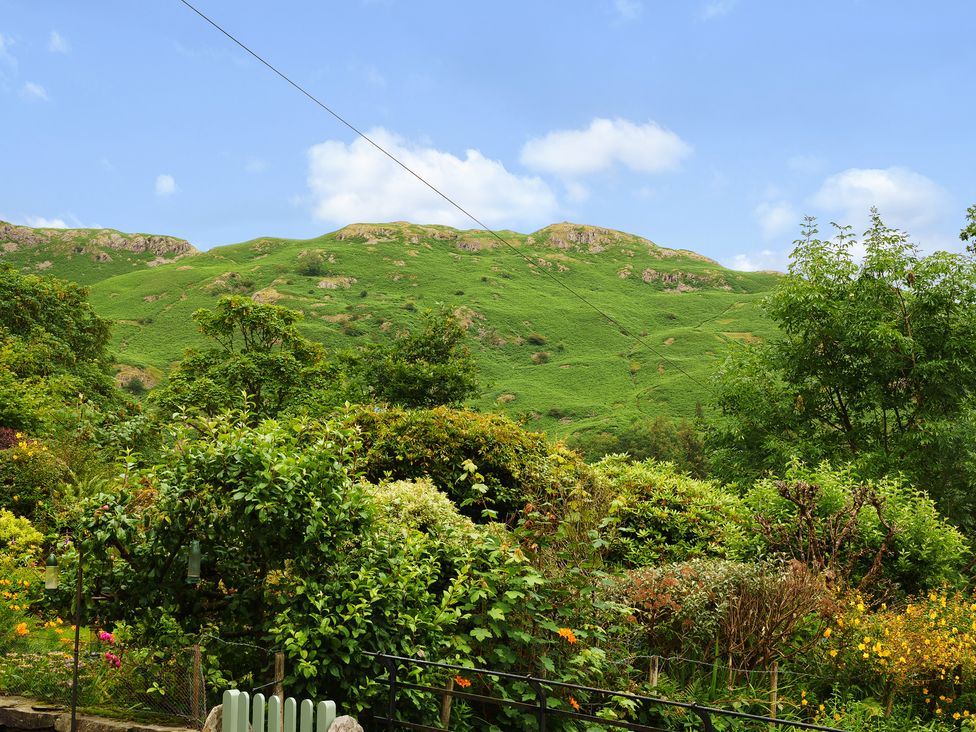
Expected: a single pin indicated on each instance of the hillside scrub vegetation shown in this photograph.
(812, 524)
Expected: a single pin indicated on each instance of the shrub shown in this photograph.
(721, 610)
(921, 653)
(858, 532)
(661, 516)
(405, 505)
(311, 263)
(30, 476)
(480, 461)
(19, 540)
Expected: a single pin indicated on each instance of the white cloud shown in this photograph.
(356, 182)
(5, 55)
(776, 219)
(628, 9)
(717, 8)
(906, 199)
(764, 259)
(165, 185)
(56, 43)
(646, 148)
(40, 222)
(255, 165)
(576, 192)
(31, 90)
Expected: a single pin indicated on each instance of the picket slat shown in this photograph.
(325, 714)
(243, 707)
(274, 714)
(228, 722)
(257, 713)
(291, 707)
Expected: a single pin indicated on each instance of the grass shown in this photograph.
(378, 279)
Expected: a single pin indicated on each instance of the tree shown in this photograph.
(53, 348)
(429, 368)
(875, 364)
(968, 234)
(257, 352)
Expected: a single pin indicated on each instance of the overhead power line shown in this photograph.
(621, 328)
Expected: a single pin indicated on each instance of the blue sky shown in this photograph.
(712, 125)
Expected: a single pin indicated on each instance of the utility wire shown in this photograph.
(609, 318)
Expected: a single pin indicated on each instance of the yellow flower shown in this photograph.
(827, 633)
(21, 629)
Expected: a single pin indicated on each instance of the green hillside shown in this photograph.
(86, 255)
(544, 356)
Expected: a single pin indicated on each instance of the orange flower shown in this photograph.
(21, 629)
(568, 634)
(574, 704)
(462, 682)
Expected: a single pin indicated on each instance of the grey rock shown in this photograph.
(214, 719)
(345, 723)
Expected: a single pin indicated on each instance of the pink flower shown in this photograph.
(106, 637)
(112, 659)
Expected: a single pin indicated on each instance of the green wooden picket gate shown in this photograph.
(270, 715)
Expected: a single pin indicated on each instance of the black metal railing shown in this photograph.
(542, 710)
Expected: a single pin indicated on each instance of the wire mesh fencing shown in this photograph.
(141, 683)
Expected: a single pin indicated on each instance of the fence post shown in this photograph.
(391, 699)
(655, 670)
(279, 677)
(704, 716)
(446, 703)
(773, 692)
(197, 676)
(540, 694)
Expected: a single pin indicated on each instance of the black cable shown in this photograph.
(609, 318)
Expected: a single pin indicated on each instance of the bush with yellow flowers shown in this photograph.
(921, 653)
(30, 475)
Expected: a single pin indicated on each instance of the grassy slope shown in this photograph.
(594, 377)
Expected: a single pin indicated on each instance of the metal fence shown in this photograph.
(111, 680)
(657, 714)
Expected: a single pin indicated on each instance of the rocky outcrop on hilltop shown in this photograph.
(92, 241)
(595, 239)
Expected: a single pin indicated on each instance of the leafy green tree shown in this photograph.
(429, 368)
(875, 364)
(257, 356)
(968, 234)
(53, 347)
